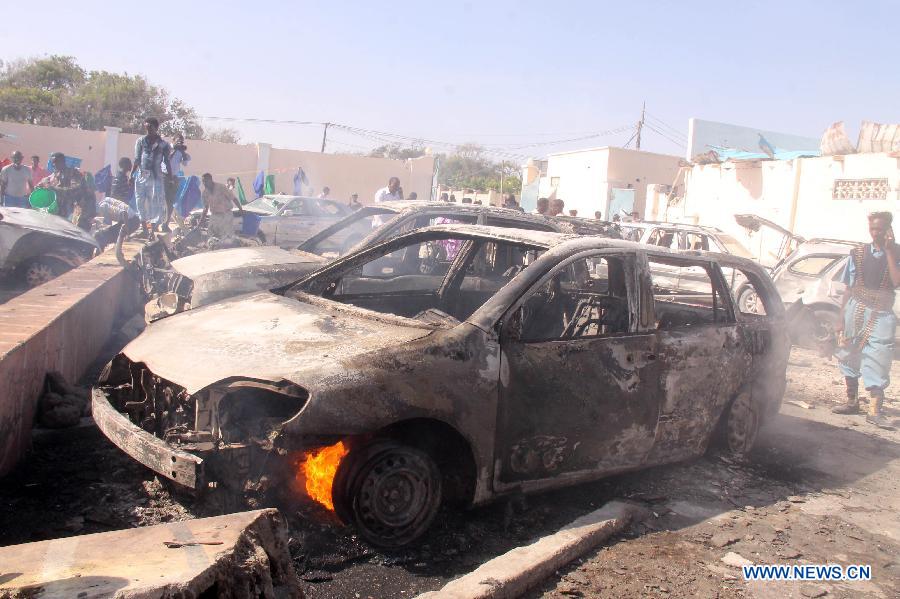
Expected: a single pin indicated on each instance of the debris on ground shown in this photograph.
(62, 404)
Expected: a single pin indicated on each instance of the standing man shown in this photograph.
(230, 184)
(390, 193)
(325, 191)
(37, 173)
(179, 157)
(151, 152)
(542, 207)
(15, 182)
(866, 333)
(598, 215)
(217, 200)
(354, 202)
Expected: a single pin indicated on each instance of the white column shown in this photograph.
(262, 157)
(111, 153)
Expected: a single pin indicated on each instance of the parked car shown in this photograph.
(811, 275)
(201, 279)
(678, 236)
(286, 221)
(455, 362)
(36, 247)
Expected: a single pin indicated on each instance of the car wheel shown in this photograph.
(38, 271)
(741, 425)
(824, 325)
(390, 492)
(748, 300)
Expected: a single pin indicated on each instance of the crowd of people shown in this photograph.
(142, 192)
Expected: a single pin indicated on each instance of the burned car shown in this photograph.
(37, 247)
(204, 278)
(453, 363)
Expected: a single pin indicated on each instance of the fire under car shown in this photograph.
(454, 363)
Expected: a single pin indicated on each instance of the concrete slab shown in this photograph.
(511, 574)
(236, 555)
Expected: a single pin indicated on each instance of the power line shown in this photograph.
(663, 125)
(658, 132)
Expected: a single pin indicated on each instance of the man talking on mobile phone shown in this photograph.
(866, 331)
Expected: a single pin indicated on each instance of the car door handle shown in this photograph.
(650, 357)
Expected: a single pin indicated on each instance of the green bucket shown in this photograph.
(44, 200)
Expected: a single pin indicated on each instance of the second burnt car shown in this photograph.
(456, 362)
(204, 278)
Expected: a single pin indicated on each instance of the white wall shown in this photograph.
(704, 134)
(796, 194)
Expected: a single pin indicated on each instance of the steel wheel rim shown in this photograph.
(38, 274)
(396, 497)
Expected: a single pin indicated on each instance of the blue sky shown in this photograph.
(507, 74)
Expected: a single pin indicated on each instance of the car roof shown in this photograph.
(572, 243)
(49, 224)
(430, 206)
(681, 226)
(825, 246)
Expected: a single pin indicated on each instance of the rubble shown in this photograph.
(243, 555)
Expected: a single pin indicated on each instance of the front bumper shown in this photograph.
(180, 466)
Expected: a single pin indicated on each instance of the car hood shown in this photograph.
(42, 222)
(204, 263)
(262, 336)
(228, 273)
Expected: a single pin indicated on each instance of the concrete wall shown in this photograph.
(43, 141)
(59, 326)
(586, 177)
(702, 135)
(797, 194)
(343, 173)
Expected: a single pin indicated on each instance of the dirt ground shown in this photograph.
(819, 488)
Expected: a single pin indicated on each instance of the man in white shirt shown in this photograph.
(391, 192)
(15, 182)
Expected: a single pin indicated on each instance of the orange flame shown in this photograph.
(319, 470)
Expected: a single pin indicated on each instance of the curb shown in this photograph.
(511, 574)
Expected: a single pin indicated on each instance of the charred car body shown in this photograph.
(454, 362)
(37, 247)
(201, 279)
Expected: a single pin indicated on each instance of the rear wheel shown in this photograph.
(741, 425)
(390, 492)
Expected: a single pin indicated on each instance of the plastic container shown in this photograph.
(44, 200)
(250, 224)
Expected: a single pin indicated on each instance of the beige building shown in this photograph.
(813, 197)
(605, 179)
(344, 174)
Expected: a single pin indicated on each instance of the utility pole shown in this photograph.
(640, 126)
(324, 136)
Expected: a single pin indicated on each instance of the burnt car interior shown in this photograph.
(676, 306)
(442, 279)
(587, 298)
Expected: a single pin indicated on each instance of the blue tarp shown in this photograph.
(777, 154)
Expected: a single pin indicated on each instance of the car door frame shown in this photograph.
(643, 358)
(699, 361)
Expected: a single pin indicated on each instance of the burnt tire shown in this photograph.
(41, 269)
(740, 425)
(389, 491)
(823, 326)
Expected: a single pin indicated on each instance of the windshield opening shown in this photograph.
(440, 279)
(266, 204)
(339, 239)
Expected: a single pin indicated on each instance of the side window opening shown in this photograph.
(812, 266)
(493, 221)
(586, 299)
(686, 293)
(663, 238)
(696, 241)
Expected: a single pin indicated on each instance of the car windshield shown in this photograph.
(266, 204)
(440, 278)
(733, 246)
(341, 237)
